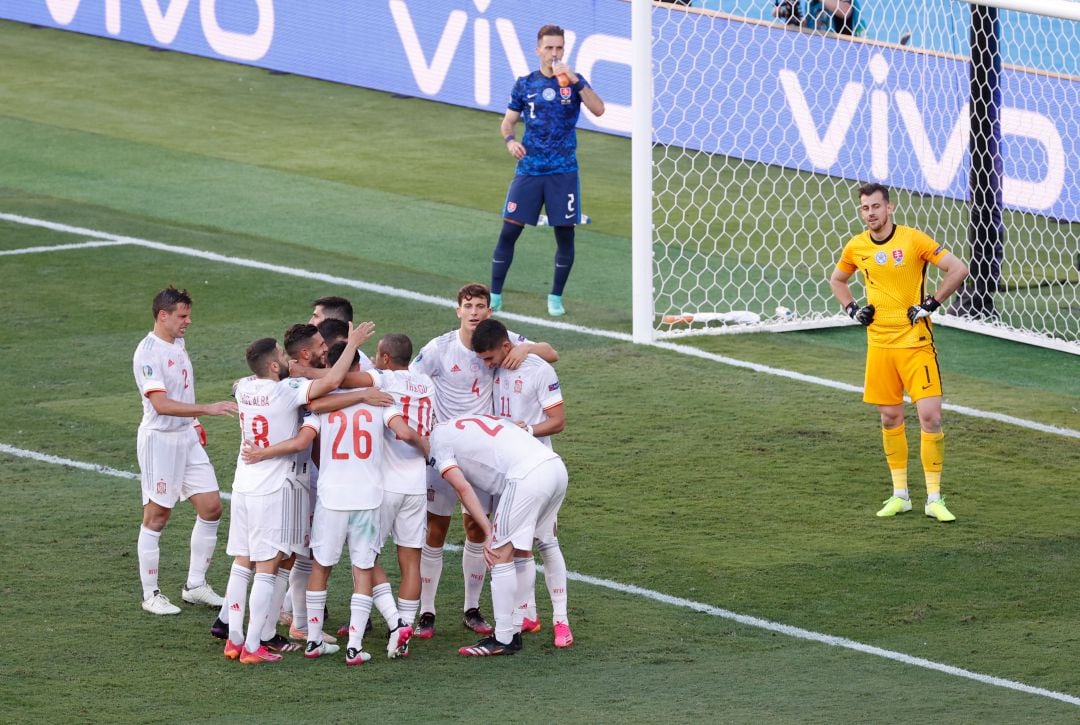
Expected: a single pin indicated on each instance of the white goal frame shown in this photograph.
(647, 325)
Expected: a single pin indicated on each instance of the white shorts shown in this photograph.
(529, 507)
(331, 529)
(260, 526)
(174, 466)
(403, 516)
(441, 496)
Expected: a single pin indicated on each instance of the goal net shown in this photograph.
(764, 127)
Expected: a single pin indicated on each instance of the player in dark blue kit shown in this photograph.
(548, 101)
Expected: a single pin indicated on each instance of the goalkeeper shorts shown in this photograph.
(892, 370)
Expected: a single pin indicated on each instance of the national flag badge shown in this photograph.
(511, 206)
(566, 91)
(898, 256)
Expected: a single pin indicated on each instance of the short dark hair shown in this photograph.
(332, 329)
(335, 352)
(872, 188)
(336, 307)
(549, 30)
(168, 298)
(297, 337)
(258, 354)
(398, 347)
(473, 289)
(488, 335)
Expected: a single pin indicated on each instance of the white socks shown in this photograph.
(360, 606)
(555, 577)
(262, 592)
(503, 595)
(149, 554)
(474, 568)
(235, 601)
(431, 563)
(203, 543)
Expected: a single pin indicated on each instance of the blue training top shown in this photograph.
(550, 114)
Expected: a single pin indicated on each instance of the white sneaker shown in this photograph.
(158, 603)
(318, 649)
(398, 643)
(202, 594)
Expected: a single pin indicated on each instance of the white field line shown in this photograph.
(59, 248)
(633, 590)
(540, 322)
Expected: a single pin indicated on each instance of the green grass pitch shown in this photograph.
(735, 489)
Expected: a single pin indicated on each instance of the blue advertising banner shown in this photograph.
(852, 109)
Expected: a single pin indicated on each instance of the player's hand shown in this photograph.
(490, 557)
(201, 432)
(516, 149)
(917, 312)
(515, 357)
(378, 398)
(361, 333)
(863, 315)
(249, 453)
(560, 68)
(222, 407)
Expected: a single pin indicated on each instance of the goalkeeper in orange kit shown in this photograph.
(900, 353)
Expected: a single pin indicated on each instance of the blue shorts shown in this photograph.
(560, 195)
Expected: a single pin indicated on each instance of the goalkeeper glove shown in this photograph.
(917, 312)
(863, 315)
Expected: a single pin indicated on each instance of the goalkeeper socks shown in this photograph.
(933, 455)
(894, 441)
(564, 258)
(503, 256)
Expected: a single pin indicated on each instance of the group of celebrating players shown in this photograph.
(341, 449)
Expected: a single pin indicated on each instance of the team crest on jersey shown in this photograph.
(518, 385)
(898, 257)
(160, 486)
(511, 206)
(566, 92)
(549, 94)
(881, 258)
(147, 371)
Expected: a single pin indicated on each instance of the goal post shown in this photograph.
(760, 132)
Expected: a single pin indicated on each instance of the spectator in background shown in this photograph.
(790, 11)
(837, 16)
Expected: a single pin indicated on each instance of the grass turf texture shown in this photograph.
(720, 485)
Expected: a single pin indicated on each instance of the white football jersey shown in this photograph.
(488, 450)
(351, 446)
(463, 384)
(159, 365)
(269, 414)
(404, 467)
(526, 394)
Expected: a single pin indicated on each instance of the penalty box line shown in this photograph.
(539, 322)
(660, 597)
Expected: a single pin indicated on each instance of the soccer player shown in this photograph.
(900, 355)
(268, 504)
(330, 307)
(463, 386)
(351, 446)
(170, 446)
(549, 102)
(495, 456)
(532, 398)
